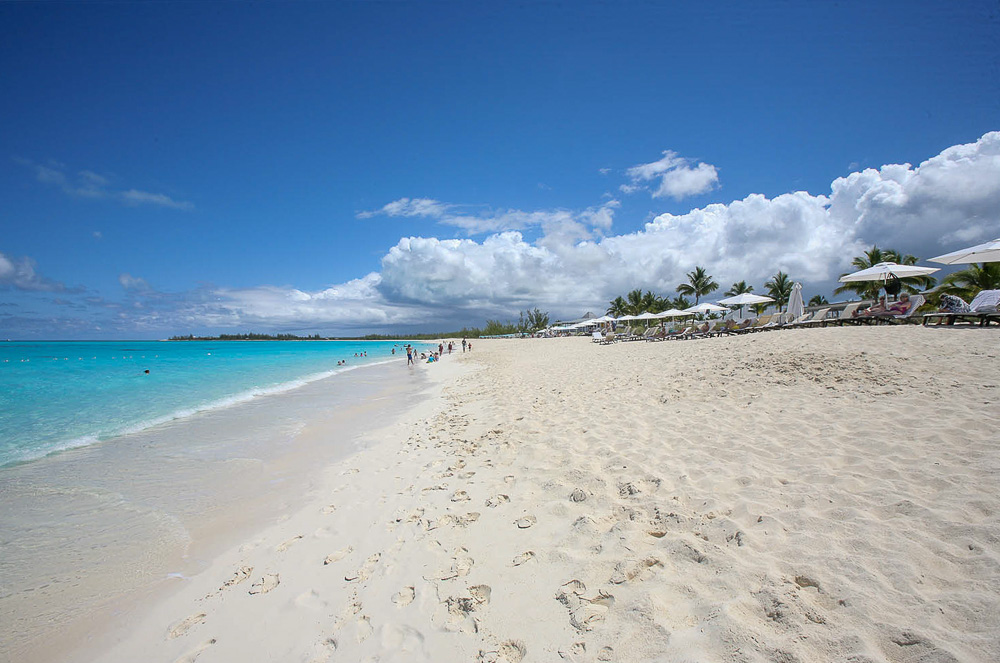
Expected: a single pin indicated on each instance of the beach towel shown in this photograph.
(986, 302)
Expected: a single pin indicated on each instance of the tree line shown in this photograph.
(964, 283)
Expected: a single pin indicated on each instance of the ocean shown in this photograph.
(60, 395)
(116, 483)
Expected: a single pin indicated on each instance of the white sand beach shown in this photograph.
(802, 495)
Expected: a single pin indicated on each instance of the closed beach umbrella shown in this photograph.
(988, 252)
(795, 304)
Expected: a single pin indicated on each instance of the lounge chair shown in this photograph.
(982, 310)
(817, 319)
(797, 322)
(916, 301)
(845, 317)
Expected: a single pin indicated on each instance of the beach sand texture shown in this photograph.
(806, 495)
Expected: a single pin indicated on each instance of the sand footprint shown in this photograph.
(584, 613)
(366, 569)
(456, 613)
(525, 522)
(523, 558)
(287, 544)
(512, 651)
(625, 571)
(363, 628)
(497, 500)
(239, 576)
(328, 509)
(404, 597)
(461, 564)
(192, 655)
(339, 555)
(323, 650)
(265, 584)
(179, 628)
(460, 496)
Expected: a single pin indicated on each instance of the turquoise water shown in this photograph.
(60, 395)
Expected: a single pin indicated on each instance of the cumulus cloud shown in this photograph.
(673, 176)
(952, 197)
(88, 184)
(575, 264)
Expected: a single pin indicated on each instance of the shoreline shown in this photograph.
(182, 505)
(815, 494)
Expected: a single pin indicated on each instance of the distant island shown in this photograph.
(465, 333)
(528, 322)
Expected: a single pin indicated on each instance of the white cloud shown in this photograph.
(948, 201)
(558, 220)
(677, 177)
(409, 207)
(133, 283)
(134, 197)
(19, 273)
(88, 184)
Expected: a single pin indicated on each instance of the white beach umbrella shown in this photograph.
(745, 298)
(627, 317)
(705, 307)
(884, 270)
(672, 313)
(988, 252)
(795, 304)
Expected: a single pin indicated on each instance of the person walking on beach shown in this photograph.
(440, 348)
(450, 344)
(409, 356)
(463, 345)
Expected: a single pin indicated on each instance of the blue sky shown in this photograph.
(352, 167)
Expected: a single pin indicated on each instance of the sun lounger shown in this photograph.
(846, 316)
(982, 311)
(798, 321)
(916, 301)
(817, 319)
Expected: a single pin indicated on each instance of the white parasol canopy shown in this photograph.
(988, 252)
(672, 313)
(705, 307)
(884, 270)
(745, 298)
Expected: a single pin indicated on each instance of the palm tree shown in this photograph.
(680, 302)
(699, 283)
(634, 299)
(818, 300)
(779, 288)
(617, 307)
(739, 288)
(968, 282)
